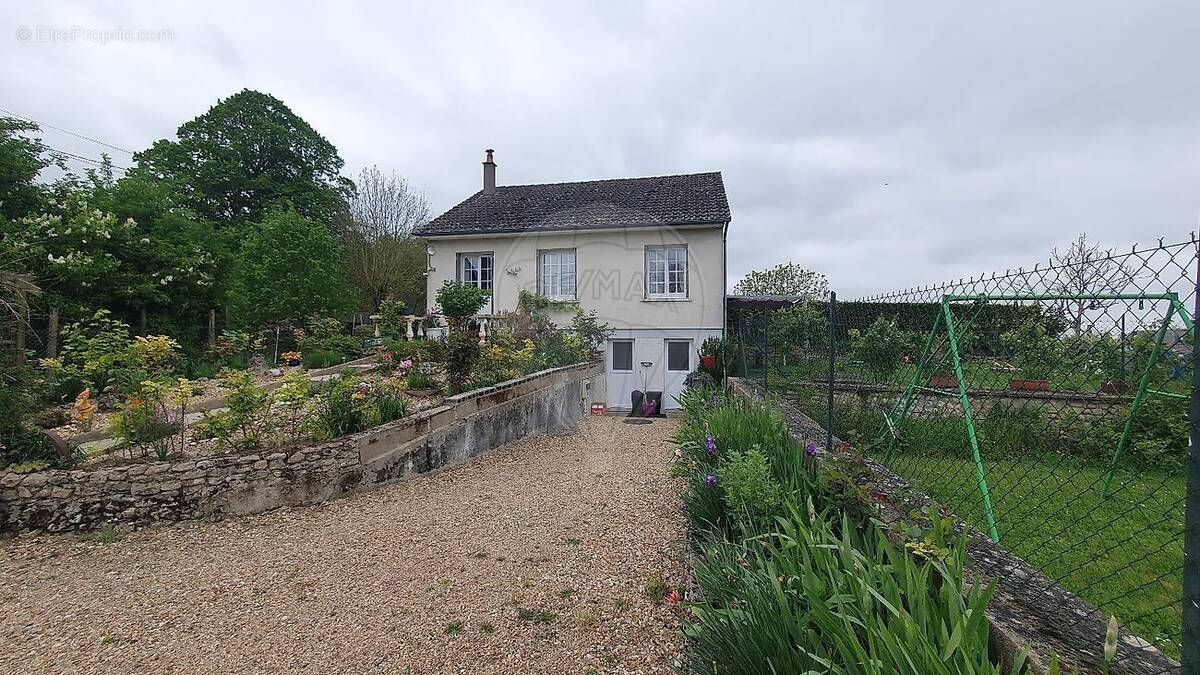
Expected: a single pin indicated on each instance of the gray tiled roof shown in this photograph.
(621, 202)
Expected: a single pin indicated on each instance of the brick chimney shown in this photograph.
(489, 174)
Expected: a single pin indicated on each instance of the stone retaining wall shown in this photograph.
(464, 427)
(925, 405)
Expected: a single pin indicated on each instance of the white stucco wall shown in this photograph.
(610, 273)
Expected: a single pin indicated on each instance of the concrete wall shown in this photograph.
(610, 272)
(464, 427)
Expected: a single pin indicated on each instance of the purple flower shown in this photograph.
(810, 450)
(711, 480)
(710, 445)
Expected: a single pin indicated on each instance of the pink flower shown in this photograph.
(406, 364)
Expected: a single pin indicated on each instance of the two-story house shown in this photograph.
(647, 254)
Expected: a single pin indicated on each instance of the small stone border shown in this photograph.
(1028, 609)
(463, 427)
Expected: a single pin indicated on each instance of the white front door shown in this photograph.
(477, 269)
(677, 355)
(622, 373)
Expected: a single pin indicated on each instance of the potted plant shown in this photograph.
(292, 358)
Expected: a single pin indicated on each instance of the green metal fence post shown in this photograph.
(966, 406)
(1190, 637)
(832, 363)
(911, 393)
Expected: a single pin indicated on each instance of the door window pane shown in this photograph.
(679, 355)
(622, 354)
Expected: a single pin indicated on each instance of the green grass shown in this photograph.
(1123, 554)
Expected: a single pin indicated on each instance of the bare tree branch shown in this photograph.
(384, 262)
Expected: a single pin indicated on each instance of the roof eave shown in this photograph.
(559, 230)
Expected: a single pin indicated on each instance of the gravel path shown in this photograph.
(534, 559)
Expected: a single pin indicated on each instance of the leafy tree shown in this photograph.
(86, 258)
(803, 327)
(289, 267)
(784, 279)
(247, 155)
(21, 159)
(880, 347)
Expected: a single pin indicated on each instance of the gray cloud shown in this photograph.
(885, 144)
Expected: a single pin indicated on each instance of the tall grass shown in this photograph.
(807, 587)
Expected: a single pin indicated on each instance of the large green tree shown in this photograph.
(784, 279)
(120, 247)
(247, 155)
(21, 159)
(287, 268)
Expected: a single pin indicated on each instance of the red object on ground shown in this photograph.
(599, 408)
(708, 361)
(1028, 385)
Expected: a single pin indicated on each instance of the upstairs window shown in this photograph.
(556, 274)
(666, 272)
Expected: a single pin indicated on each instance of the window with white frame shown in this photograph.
(666, 272)
(556, 274)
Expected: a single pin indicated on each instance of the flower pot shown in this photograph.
(1028, 385)
(1115, 387)
(708, 361)
(943, 382)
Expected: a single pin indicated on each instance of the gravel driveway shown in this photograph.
(534, 559)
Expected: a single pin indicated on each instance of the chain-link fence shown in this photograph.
(1050, 408)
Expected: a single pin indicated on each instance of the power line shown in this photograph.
(81, 158)
(66, 131)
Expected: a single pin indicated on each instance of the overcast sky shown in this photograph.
(883, 143)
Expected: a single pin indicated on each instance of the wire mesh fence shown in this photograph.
(1050, 408)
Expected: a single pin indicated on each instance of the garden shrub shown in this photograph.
(347, 405)
(316, 359)
(99, 353)
(880, 347)
(749, 491)
(462, 352)
(154, 419)
(503, 358)
(20, 442)
(459, 301)
(246, 423)
(236, 349)
(328, 335)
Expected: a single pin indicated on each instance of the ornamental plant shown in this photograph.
(155, 419)
(246, 422)
(460, 301)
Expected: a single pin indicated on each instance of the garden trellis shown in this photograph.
(1052, 415)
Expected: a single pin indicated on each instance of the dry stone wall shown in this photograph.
(136, 495)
